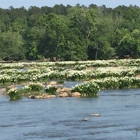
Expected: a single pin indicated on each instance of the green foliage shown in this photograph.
(33, 87)
(11, 46)
(89, 90)
(51, 90)
(33, 37)
(14, 94)
(60, 81)
(69, 32)
(130, 44)
(19, 25)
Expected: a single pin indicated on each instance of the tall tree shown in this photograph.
(83, 25)
(119, 33)
(19, 25)
(33, 37)
(11, 46)
(130, 44)
(54, 37)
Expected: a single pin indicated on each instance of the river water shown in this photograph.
(62, 118)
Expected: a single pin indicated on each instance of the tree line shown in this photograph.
(69, 32)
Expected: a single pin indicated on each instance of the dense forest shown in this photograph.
(69, 32)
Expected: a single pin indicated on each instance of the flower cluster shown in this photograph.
(14, 93)
(50, 89)
(12, 90)
(32, 86)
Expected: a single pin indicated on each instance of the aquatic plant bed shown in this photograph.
(99, 75)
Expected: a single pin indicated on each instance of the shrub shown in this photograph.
(89, 89)
(33, 87)
(14, 94)
(50, 89)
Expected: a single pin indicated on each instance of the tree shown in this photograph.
(83, 25)
(11, 46)
(54, 37)
(117, 37)
(130, 44)
(59, 9)
(100, 44)
(19, 25)
(33, 39)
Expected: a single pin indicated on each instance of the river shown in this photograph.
(62, 118)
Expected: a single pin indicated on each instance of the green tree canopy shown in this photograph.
(11, 46)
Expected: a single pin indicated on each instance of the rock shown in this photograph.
(38, 97)
(53, 83)
(58, 90)
(86, 81)
(11, 86)
(97, 115)
(85, 119)
(44, 96)
(3, 91)
(66, 90)
(32, 97)
(64, 94)
(74, 94)
(51, 96)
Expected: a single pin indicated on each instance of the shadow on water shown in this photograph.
(62, 118)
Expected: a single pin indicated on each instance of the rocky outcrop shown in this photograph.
(74, 94)
(63, 94)
(66, 92)
(42, 96)
(58, 90)
(53, 83)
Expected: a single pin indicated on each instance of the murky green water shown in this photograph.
(61, 118)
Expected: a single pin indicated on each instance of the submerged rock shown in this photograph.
(97, 115)
(85, 119)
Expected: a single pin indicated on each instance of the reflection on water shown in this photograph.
(61, 118)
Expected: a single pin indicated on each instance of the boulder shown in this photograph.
(32, 97)
(51, 96)
(44, 96)
(38, 97)
(3, 91)
(65, 90)
(96, 115)
(58, 90)
(53, 83)
(11, 86)
(85, 119)
(64, 94)
(74, 94)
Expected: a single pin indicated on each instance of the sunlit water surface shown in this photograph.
(62, 118)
